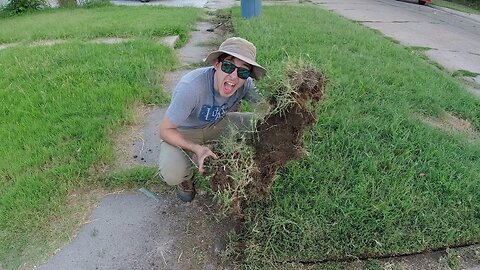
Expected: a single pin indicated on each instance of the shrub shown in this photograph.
(20, 6)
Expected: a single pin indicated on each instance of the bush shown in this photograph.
(20, 6)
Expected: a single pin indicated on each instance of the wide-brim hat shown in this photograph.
(242, 49)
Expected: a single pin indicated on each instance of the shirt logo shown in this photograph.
(212, 114)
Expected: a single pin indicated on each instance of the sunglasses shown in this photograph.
(229, 67)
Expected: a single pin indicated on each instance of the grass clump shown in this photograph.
(464, 73)
(234, 171)
(247, 166)
(281, 92)
(376, 180)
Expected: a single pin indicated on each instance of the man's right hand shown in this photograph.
(170, 134)
(202, 152)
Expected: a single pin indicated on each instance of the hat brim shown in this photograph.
(257, 70)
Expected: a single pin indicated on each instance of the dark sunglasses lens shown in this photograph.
(228, 67)
(243, 73)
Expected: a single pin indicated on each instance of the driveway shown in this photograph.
(452, 38)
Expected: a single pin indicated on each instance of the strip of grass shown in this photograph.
(87, 23)
(460, 5)
(376, 180)
(60, 105)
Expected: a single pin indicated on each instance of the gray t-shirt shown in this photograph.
(195, 104)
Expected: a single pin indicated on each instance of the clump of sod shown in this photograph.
(247, 164)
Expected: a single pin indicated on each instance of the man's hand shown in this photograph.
(170, 134)
(202, 152)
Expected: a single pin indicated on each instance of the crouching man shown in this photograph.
(203, 106)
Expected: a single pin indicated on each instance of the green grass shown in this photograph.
(377, 180)
(472, 6)
(60, 106)
(88, 23)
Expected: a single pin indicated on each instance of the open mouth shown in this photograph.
(228, 88)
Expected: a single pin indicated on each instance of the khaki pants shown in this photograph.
(175, 164)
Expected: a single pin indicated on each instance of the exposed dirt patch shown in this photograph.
(222, 21)
(451, 123)
(110, 40)
(123, 141)
(48, 42)
(197, 236)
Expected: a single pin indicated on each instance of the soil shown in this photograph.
(279, 137)
(450, 123)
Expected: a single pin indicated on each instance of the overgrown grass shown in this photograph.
(88, 23)
(376, 180)
(60, 105)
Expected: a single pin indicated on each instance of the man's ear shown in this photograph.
(216, 64)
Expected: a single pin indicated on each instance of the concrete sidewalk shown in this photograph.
(452, 38)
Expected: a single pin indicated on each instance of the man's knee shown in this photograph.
(174, 164)
(174, 176)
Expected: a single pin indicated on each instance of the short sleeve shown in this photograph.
(183, 103)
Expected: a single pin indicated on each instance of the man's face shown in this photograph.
(227, 84)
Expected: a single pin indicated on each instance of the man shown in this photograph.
(202, 107)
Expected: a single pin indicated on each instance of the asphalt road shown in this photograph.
(452, 38)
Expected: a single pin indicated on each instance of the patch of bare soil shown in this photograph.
(199, 236)
(451, 123)
(123, 145)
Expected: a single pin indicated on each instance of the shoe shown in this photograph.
(186, 191)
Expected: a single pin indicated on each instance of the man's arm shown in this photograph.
(170, 134)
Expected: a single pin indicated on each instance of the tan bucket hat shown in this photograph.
(241, 49)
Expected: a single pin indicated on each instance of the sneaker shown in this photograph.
(186, 191)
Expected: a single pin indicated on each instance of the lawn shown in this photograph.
(377, 179)
(61, 104)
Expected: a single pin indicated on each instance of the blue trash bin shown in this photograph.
(251, 8)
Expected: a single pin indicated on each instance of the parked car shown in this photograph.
(423, 2)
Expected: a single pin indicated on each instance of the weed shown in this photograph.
(451, 260)
(372, 265)
(476, 253)
(464, 73)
